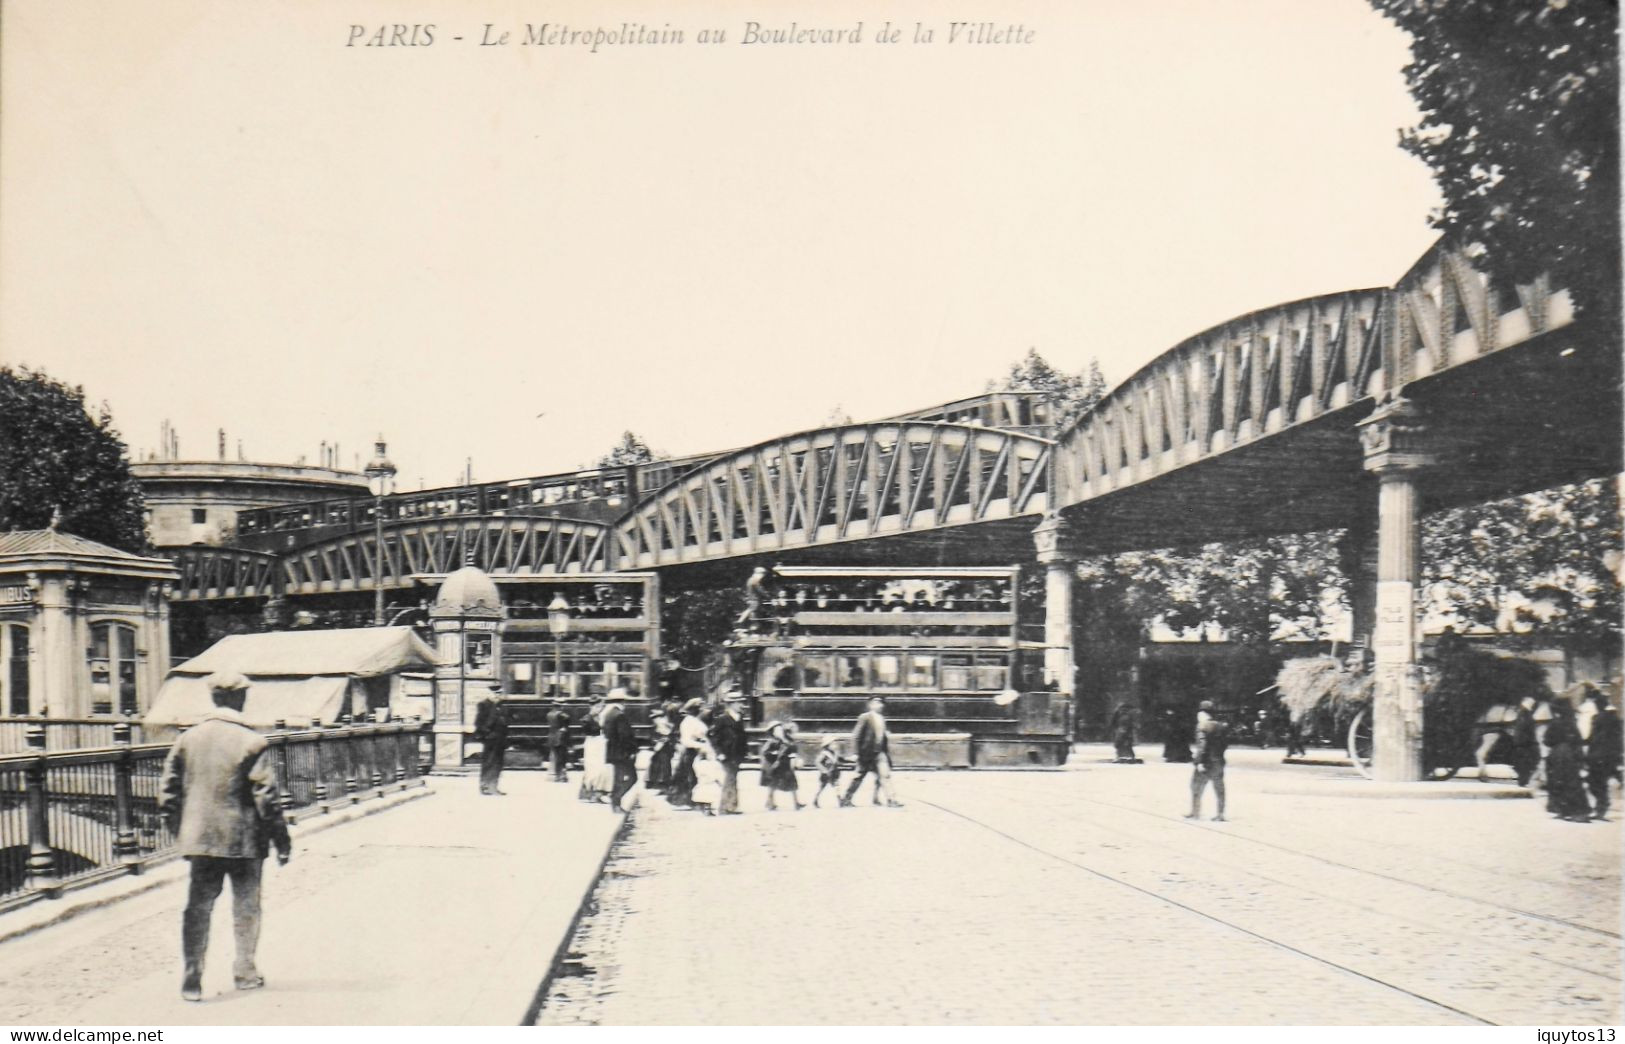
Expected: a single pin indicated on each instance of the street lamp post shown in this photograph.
(381, 481)
(558, 622)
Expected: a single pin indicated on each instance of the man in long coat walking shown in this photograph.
(871, 743)
(219, 794)
(620, 745)
(491, 729)
(729, 742)
(558, 742)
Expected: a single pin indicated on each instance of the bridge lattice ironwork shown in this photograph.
(838, 484)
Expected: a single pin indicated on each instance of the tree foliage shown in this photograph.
(1520, 126)
(55, 456)
(631, 449)
(1253, 591)
(695, 621)
(1070, 395)
(1545, 565)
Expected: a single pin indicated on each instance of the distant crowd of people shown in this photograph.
(1578, 755)
(696, 756)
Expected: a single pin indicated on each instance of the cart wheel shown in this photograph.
(1359, 746)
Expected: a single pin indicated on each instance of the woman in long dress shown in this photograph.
(1565, 793)
(665, 728)
(593, 764)
(779, 764)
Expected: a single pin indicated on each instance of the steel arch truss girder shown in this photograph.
(1285, 366)
(837, 484)
(208, 573)
(508, 546)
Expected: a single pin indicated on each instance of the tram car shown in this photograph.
(943, 646)
(568, 642)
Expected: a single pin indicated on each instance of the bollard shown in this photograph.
(125, 847)
(41, 867)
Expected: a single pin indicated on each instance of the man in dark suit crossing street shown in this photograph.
(871, 743)
(620, 746)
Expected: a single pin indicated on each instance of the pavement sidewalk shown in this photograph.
(444, 911)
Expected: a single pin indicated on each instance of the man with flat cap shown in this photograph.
(620, 746)
(491, 729)
(219, 794)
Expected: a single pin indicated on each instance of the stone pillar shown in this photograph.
(1359, 563)
(1393, 439)
(60, 659)
(1057, 551)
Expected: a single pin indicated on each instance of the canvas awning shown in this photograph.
(296, 677)
(360, 652)
(185, 700)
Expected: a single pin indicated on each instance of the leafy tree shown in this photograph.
(694, 622)
(1069, 395)
(1545, 565)
(630, 450)
(1520, 126)
(56, 457)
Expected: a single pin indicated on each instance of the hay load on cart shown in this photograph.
(1470, 698)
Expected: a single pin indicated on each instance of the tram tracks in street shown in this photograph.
(1204, 915)
(1231, 835)
(1499, 930)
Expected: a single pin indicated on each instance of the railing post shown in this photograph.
(402, 752)
(125, 847)
(425, 751)
(375, 745)
(316, 760)
(284, 793)
(41, 869)
(349, 758)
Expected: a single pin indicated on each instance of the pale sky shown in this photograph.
(217, 213)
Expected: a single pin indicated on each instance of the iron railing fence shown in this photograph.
(65, 733)
(71, 817)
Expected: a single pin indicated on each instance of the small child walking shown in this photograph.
(829, 768)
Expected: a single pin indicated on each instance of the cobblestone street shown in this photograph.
(1083, 896)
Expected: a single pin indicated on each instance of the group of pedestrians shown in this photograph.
(699, 751)
(1584, 747)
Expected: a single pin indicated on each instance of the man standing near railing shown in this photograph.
(220, 797)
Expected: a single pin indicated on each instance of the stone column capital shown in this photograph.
(1056, 541)
(1394, 439)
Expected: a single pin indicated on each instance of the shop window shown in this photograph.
(111, 658)
(477, 655)
(14, 676)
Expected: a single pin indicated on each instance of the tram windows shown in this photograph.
(991, 671)
(888, 671)
(853, 671)
(628, 675)
(521, 679)
(958, 671)
(817, 672)
(922, 672)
